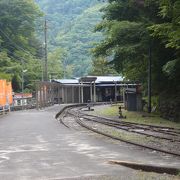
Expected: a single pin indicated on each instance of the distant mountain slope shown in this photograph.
(71, 24)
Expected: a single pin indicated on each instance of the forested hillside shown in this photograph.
(71, 27)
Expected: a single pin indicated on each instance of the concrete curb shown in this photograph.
(147, 167)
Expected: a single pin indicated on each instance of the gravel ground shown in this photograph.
(141, 139)
(137, 176)
(168, 145)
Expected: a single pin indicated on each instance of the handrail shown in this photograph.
(4, 109)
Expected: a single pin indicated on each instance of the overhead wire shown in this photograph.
(15, 45)
(14, 56)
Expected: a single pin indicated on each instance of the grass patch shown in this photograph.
(136, 117)
(132, 137)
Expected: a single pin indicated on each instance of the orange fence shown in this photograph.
(6, 97)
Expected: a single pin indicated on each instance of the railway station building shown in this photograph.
(90, 89)
(97, 89)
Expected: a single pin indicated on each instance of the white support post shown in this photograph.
(79, 93)
(72, 93)
(66, 89)
(63, 98)
(115, 92)
(58, 94)
(94, 91)
(91, 92)
(82, 95)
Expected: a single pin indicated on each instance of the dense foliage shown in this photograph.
(70, 34)
(131, 28)
(18, 44)
(101, 67)
(71, 27)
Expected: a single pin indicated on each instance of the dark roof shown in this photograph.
(88, 79)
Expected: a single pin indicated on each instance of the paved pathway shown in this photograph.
(34, 145)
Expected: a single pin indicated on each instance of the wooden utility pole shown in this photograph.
(45, 51)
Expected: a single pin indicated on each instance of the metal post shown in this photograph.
(149, 79)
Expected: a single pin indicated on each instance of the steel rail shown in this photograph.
(131, 131)
(137, 125)
(130, 126)
(140, 124)
(126, 141)
(113, 137)
(61, 119)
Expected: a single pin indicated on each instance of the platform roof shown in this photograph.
(66, 81)
(101, 79)
(104, 79)
(89, 79)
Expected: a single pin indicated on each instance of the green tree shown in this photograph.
(126, 42)
(7, 65)
(168, 31)
(131, 27)
(101, 67)
(55, 63)
(18, 43)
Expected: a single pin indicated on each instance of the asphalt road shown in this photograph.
(34, 145)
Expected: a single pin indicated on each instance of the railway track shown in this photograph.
(90, 122)
(129, 125)
(135, 129)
